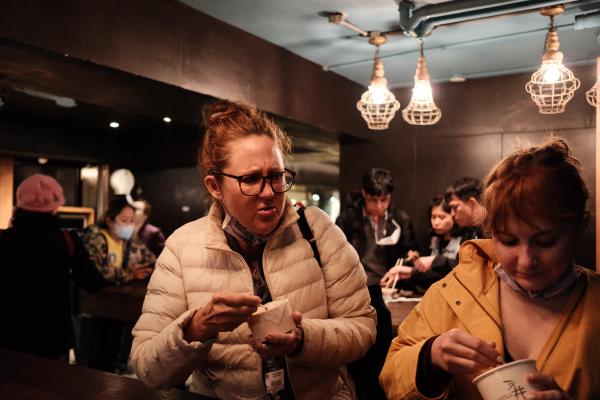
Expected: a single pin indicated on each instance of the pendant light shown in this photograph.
(592, 95)
(421, 110)
(552, 86)
(378, 105)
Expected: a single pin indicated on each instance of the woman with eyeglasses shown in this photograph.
(216, 271)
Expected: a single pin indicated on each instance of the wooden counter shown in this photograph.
(24, 376)
(399, 311)
(120, 302)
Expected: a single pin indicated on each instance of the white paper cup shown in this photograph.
(273, 317)
(387, 293)
(508, 381)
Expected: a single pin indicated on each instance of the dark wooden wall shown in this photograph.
(176, 194)
(169, 42)
(483, 120)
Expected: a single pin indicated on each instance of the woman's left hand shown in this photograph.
(549, 389)
(282, 344)
(423, 264)
(412, 256)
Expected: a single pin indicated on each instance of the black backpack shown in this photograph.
(307, 233)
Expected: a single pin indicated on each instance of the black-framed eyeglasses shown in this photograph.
(253, 184)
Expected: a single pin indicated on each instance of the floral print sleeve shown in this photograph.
(139, 255)
(96, 246)
(136, 252)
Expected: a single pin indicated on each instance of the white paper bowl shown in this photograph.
(508, 381)
(273, 317)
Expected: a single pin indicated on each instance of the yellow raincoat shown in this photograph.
(468, 299)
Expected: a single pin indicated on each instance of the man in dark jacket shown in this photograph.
(380, 234)
(38, 261)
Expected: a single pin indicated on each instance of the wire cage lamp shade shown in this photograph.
(592, 95)
(378, 105)
(421, 109)
(553, 85)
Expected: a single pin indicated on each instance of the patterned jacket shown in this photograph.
(135, 253)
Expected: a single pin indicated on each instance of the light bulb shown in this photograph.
(89, 173)
(377, 94)
(422, 91)
(552, 73)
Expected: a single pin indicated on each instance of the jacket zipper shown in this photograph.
(287, 365)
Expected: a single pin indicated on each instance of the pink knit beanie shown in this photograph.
(40, 193)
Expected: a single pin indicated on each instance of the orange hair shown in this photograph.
(225, 121)
(537, 182)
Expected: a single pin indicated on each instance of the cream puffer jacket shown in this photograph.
(338, 322)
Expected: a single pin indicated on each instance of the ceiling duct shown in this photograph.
(423, 20)
(587, 21)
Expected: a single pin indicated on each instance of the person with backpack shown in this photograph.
(214, 273)
(38, 262)
(381, 234)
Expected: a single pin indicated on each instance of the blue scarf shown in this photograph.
(236, 229)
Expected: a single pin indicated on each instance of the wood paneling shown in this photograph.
(597, 208)
(198, 53)
(6, 190)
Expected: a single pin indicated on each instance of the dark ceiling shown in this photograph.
(33, 84)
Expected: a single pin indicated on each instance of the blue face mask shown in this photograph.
(125, 232)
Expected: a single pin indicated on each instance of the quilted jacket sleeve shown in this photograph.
(160, 355)
(350, 329)
(399, 374)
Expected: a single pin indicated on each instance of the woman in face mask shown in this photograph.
(214, 273)
(120, 258)
(113, 249)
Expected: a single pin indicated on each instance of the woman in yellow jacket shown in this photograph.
(518, 295)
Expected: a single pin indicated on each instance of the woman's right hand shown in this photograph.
(458, 352)
(140, 272)
(402, 271)
(225, 312)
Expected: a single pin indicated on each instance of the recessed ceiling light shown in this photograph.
(42, 160)
(457, 78)
(167, 119)
(114, 124)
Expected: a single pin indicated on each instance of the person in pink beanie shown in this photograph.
(40, 193)
(38, 261)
